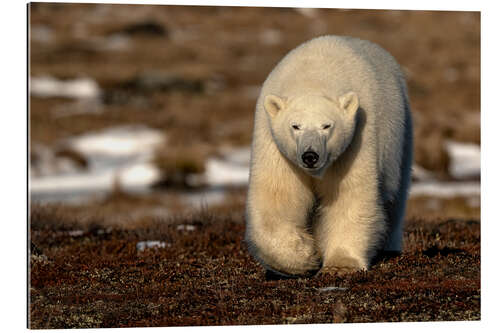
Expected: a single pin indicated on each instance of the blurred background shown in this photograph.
(140, 112)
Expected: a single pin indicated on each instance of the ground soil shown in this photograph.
(86, 273)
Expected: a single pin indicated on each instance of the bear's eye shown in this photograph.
(296, 127)
(327, 126)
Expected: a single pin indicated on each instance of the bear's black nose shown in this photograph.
(310, 158)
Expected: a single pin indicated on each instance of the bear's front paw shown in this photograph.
(338, 270)
(342, 263)
(296, 256)
(306, 259)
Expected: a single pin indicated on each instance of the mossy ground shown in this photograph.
(96, 277)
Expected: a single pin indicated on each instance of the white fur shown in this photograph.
(338, 215)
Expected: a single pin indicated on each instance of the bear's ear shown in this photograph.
(273, 104)
(349, 102)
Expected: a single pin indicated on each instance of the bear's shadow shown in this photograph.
(275, 276)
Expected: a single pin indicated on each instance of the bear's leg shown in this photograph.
(395, 220)
(395, 208)
(277, 232)
(349, 230)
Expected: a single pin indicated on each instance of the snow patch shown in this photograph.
(421, 174)
(118, 155)
(45, 162)
(119, 142)
(141, 246)
(79, 88)
(186, 227)
(465, 159)
(76, 233)
(203, 198)
(445, 189)
(332, 289)
(138, 174)
(232, 169)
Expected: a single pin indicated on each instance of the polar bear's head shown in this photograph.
(312, 130)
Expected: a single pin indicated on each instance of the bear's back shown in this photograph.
(335, 65)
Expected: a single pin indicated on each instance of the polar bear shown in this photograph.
(331, 159)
